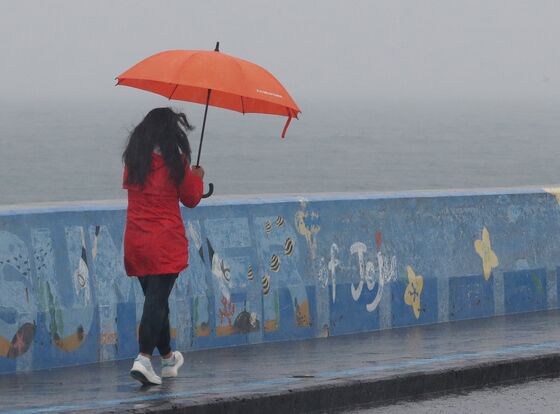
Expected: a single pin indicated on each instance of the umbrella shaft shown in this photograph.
(203, 126)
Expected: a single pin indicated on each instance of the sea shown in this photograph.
(71, 150)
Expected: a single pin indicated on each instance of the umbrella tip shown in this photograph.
(217, 49)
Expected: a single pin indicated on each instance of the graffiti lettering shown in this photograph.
(386, 272)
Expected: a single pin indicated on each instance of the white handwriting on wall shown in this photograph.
(372, 274)
(329, 271)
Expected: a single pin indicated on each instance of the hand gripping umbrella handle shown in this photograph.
(210, 191)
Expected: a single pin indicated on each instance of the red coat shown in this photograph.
(154, 238)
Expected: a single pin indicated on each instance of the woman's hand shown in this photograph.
(198, 171)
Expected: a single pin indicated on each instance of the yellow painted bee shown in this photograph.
(274, 263)
(288, 247)
(266, 284)
(279, 221)
(250, 273)
(268, 227)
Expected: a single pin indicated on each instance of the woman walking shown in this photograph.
(157, 175)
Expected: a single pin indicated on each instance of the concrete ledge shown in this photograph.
(350, 393)
(276, 268)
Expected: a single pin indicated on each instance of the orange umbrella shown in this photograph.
(212, 78)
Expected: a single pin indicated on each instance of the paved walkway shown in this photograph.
(531, 397)
(306, 375)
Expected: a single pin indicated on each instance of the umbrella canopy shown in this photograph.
(212, 78)
(236, 84)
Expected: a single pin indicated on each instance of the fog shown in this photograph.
(73, 49)
(396, 95)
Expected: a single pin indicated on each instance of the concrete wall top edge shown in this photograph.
(105, 205)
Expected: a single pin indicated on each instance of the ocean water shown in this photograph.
(71, 150)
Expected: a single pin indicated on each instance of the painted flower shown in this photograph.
(484, 250)
(413, 291)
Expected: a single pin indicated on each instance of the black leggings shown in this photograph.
(154, 326)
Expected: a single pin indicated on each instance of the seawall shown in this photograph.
(276, 269)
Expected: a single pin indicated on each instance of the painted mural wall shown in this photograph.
(276, 269)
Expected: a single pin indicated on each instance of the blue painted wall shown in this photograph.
(276, 269)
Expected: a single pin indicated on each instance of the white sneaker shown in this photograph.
(143, 371)
(170, 366)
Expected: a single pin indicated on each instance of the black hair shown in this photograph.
(163, 128)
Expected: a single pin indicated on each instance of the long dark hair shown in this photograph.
(163, 128)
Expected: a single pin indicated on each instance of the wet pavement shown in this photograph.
(301, 375)
(535, 397)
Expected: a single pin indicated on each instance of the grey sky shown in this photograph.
(354, 49)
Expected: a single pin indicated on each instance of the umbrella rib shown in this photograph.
(174, 89)
(245, 77)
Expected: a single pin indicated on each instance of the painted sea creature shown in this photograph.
(307, 225)
(226, 311)
(246, 322)
(220, 269)
(17, 309)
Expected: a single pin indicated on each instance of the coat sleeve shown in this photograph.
(191, 189)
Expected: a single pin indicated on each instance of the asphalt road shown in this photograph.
(539, 396)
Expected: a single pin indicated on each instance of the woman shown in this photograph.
(157, 175)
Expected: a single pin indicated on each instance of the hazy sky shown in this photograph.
(352, 49)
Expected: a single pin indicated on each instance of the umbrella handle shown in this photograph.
(210, 191)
